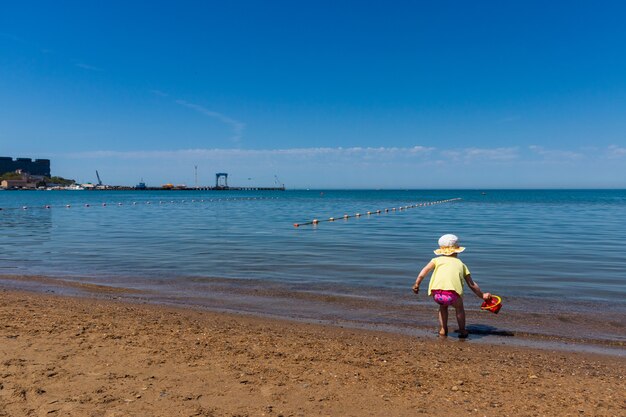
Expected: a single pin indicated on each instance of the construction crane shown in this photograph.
(99, 180)
(278, 183)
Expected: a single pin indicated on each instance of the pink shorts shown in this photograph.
(445, 297)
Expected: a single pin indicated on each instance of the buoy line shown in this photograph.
(136, 203)
(315, 222)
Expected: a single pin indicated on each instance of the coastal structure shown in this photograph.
(40, 167)
(24, 181)
(221, 185)
(18, 183)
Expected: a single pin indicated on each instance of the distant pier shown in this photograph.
(202, 188)
(225, 188)
(175, 188)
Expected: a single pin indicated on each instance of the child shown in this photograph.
(446, 283)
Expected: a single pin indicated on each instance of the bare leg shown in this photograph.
(460, 317)
(443, 320)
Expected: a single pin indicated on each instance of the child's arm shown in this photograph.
(476, 289)
(422, 275)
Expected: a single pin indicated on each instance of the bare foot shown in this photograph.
(443, 332)
(463, 334)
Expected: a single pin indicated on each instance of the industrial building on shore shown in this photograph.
(28, 173)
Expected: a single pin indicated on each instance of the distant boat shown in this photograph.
(74, 187)
(141, 186)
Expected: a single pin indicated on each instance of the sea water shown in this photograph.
(546, 245)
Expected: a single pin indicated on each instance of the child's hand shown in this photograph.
(486, 296)
(416, 288)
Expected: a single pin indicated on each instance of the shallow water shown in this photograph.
(540, 250)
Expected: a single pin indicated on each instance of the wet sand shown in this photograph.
(92, 356)
(583, 326)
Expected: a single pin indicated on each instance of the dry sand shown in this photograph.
(64, 356)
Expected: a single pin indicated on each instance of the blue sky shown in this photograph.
(323, 94)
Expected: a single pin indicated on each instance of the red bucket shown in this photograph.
(494, 304)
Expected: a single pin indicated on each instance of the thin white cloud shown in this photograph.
(351, 156)
(497, 154)
(237, 126)
(354, 152)
(357, 166)
(489, 154)
(159, 93)
(556, 154)
(615, 151)
(87, 67)
(381, 154)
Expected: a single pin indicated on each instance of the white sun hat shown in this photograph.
(449, 244)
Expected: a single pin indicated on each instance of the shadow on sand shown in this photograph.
(481, 330)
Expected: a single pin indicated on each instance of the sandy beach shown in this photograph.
(68, 356)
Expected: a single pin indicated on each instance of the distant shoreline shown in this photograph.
(125, 188)
(478, 190)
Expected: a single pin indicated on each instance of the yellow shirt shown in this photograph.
(449, 274)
